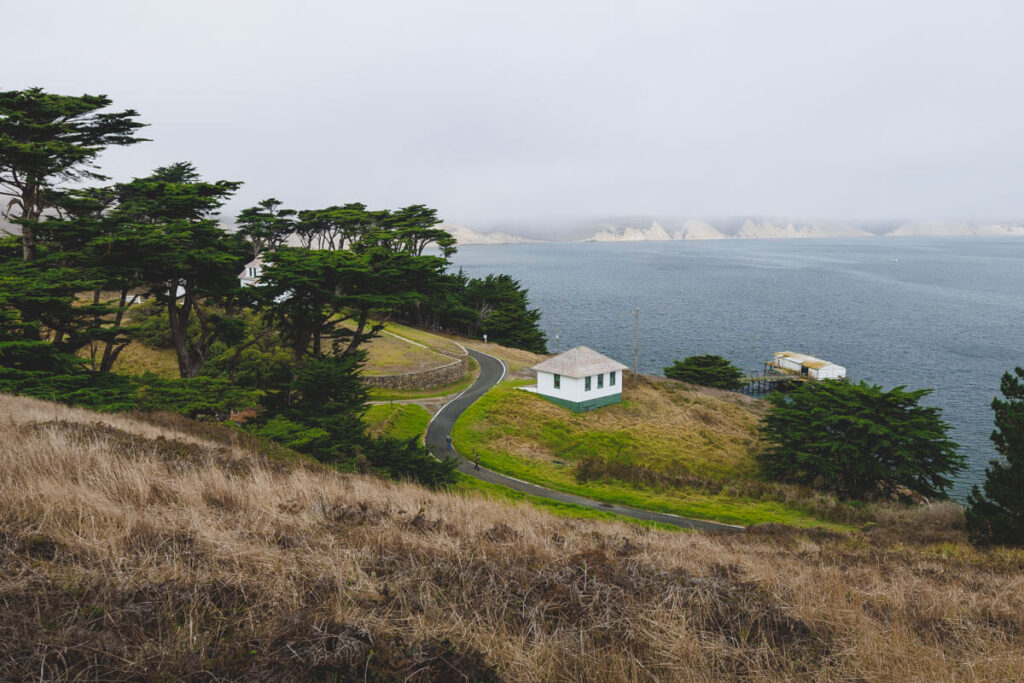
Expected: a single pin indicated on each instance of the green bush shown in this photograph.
(858, 441)
(407, 459)
(708, 371)
(197, 397)
(103, 392)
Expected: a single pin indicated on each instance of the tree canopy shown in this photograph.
(185, 258)
(48, 139)
(100, 267)
(504, 312)
(995, 513)
(708, 371)
(858, 441)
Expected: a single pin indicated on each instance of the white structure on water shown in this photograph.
(807, 366)
(580, 379)
(250, 275)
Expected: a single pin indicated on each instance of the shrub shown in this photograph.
(407, 459)
(195, 397)
(858, 441)
(708, 371)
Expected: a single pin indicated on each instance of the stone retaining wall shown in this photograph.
(424, 379)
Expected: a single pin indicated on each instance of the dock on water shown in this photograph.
(789, 368)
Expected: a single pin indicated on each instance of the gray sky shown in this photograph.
(527, 115)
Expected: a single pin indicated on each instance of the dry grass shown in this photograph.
(132, 550)
(517, 360)
(436, 342)
(389, 355)
(665, 426)
(138, 359)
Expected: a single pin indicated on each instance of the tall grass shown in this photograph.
(137, 550)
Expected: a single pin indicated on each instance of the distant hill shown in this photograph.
(766, 228)
(789, 230)
(692, 229)
(464, 235)
(938, 228)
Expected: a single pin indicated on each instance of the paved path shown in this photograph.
(493, 371)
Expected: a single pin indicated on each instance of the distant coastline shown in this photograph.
(697, 229)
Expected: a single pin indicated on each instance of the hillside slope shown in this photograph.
(669, 446)
(134, 551)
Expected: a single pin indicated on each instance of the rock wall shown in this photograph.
(423, 379)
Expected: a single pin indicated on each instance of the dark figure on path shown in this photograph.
(476, 455)
(448, 440)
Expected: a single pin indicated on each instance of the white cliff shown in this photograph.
(464, 235)
(764, 229)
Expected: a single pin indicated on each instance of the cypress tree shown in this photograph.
(996, 515)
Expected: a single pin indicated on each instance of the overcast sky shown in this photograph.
(534, 115)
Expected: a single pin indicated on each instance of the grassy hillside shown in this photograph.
(397, 350)
(129, 550)
(402, 421)
(669, 446)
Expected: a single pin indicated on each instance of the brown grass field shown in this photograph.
(150, 550)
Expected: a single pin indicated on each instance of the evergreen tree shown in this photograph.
(266, 226)
(708, 371)
(187, 262)
(315, 297)
(858, 441)
(997, 514)
(504, 312)
(48, 139)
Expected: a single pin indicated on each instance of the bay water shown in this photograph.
(939, 313)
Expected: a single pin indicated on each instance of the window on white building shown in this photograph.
(558, 381)
(600, 381)
(586, 384)
(611, 378)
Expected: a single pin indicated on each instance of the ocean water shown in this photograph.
(939, 313)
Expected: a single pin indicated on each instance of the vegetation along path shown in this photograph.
(492, 370)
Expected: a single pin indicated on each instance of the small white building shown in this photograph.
(807, 366)
(250, 275)
(580, 379)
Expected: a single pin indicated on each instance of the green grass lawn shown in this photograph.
(402, 421)
(471, 486)
(663, 434)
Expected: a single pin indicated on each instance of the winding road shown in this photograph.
(492, 371)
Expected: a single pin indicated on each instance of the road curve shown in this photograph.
(493, 371)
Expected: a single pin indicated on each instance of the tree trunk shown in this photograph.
(112, 349)
(30, 212)
(189, 362)
(357, 336)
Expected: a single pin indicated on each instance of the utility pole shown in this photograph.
(636, 342)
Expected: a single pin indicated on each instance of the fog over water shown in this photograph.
(543, 118)
(942, 313)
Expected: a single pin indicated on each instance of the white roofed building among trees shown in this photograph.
(580, 379)
(250, 275)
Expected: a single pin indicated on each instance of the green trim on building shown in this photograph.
(584, 406)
